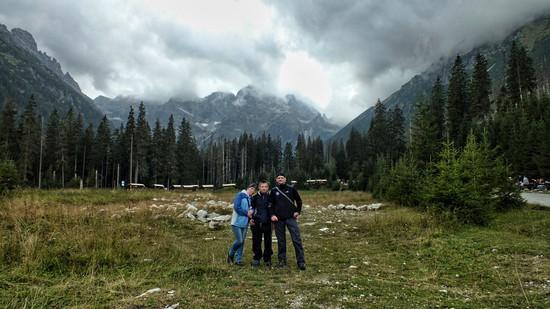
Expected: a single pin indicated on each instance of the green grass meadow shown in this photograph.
(101, 249)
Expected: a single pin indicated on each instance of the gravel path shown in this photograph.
(541, 199)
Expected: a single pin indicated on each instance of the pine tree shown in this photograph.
(169, 143)
(87, 146)
(425, 139)
(396, 133)
(355, 147)
(377, 136)
(9, 149)
(142, 140)
(53, 149)
(129, 143)
(520, 74)
(341, 161)
(157, 153)
(480, 90)
(457, 104)
(188, 160)
(437, 108)
(102, 151)
(29, 142)
(301, 155)
(288, 158)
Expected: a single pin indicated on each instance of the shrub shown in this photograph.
(8, 177)
(400, 183)
(468, 186)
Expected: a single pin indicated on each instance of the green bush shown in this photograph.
(468, 186)
(400, 183)
(8, 177)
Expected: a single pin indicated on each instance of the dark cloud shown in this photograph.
(366, 49)
(123, 48)
(392, 40)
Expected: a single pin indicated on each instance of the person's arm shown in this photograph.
(242, 207)
(298, 200)
(252, 209)
(271, 207)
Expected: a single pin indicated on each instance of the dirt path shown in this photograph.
(541, 199)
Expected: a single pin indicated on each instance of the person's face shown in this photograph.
(281, 180)
(264, 187)
(250, 191)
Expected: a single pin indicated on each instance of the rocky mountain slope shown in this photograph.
(26, 71)
(534, 35)
(223, 114)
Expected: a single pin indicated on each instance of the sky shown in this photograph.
(340, 55)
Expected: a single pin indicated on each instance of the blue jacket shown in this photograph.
(241, 205)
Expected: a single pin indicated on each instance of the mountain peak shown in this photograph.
(25, 38)
(249, 90)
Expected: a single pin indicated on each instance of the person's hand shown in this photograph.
(296, 215)
(252, 222)
(250, 213)
(274, 218)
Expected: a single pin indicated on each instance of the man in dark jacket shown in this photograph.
(261, 225)
(285, 208)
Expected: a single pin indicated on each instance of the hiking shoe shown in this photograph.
(281, 264)
(229, 259)
(239, 263)
(302, 266)
(267, 263)
(255, 263)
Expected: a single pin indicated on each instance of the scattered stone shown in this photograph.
(340, 206)
(191, 207)
(212, 215)
(374, 206)
(202, 214)
(147, 260)
(324, 229)
(352, 267)
(443, 291)
(215, 225)
(351, 207)
(309, 223)
(151, 291)
(223, 218)
(171, 292)
(332, 207)
(190, 216)
(174, 306)
(115, 216)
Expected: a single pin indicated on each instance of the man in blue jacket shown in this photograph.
(260, 224)
(239, 224)
(285, 208)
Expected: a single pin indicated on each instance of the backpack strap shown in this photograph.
(288, 198)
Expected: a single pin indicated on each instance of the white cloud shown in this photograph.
(300, 73)
(342, 55)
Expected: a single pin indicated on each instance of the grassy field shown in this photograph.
(89, 249)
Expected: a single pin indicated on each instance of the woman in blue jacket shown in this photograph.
(239, 224)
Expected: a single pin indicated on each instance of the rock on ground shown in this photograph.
(151, 291)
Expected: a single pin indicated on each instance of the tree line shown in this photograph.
(60, 151)
(466, 149)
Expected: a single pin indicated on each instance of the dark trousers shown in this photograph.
(260, 230)
(294, 231)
